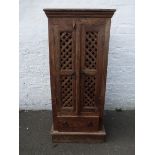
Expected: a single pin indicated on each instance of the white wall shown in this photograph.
(34, 64)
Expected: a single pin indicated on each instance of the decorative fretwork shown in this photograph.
(65, 50)
(89, 91)
(66, 91)
(91, 50)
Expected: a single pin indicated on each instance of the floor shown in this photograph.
(35, 138)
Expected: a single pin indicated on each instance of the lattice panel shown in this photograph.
(66, 91)
(89, 91)
(65, 50)
(91, 50)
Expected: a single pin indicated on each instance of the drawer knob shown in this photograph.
(65, 124)
(90, 124)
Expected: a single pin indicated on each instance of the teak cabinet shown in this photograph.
(78, 54)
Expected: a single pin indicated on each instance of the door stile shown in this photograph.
(100, 60)
(82, 59)
(77, 64)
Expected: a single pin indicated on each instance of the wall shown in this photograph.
(34, 64)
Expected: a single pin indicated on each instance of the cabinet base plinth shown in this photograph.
(78, 137)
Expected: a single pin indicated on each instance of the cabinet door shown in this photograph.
(92, 45)
(64, 50)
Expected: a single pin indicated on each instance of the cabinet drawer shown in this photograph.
(78, 124)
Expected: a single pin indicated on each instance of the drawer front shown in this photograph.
(77, 124)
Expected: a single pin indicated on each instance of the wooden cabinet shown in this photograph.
(78, 54)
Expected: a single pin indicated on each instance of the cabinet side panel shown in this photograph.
(52, 70)
(103, 68)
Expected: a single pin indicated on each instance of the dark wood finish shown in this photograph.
(78, 55)
(86, 137)
(77, 123)
(78, 13)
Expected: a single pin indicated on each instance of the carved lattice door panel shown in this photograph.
(64, 39)
(91, 48)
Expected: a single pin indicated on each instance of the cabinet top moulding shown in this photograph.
(90, 13)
